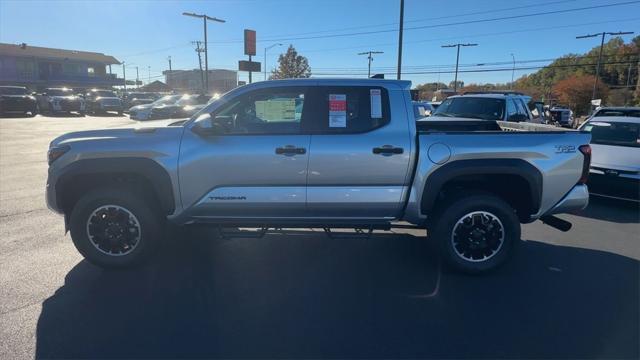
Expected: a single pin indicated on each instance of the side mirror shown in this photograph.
(206, 126)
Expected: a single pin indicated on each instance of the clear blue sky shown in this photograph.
(145, 33)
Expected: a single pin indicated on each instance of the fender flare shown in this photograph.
(147, 168)
(436, 180)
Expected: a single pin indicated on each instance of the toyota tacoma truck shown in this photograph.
(316, 153)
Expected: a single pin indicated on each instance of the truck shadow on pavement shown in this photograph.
(618, 211)
(304, 295)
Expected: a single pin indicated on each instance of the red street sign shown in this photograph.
(249, 42)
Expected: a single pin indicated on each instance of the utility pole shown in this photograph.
(602, 35)
(400, 38)
(148, 74)
(124, 77)
(369, 53)
(199, 50)
(169, 59)
(137, 78)
(513, 70)
(455, 82)
(206, 53)
(265, 58)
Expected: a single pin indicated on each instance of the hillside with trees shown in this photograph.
(569, 79)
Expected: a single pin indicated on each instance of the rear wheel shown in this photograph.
(115, 228)
(477, 233)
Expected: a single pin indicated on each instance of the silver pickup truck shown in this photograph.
(316, 153)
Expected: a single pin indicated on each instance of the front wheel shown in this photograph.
(477, 233)
(115, 228)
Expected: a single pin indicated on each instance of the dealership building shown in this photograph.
(40, 67)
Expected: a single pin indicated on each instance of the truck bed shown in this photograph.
(425, 126)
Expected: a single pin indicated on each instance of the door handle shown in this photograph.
(387, 150)
(290, 150)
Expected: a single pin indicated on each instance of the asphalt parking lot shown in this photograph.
(563, 295)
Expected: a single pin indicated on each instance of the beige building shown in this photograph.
(220, 81)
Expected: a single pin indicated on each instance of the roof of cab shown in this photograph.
(399, 84)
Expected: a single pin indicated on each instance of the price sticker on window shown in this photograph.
(376, 103)
(337, 110)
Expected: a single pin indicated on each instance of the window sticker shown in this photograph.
(276, 110)
(337, 110)
(376, 103)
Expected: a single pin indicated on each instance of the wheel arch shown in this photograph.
(145, 175)
(507, 178)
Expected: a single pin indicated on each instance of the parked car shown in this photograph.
(615, 166)
(182, 108)
(324, 153)
(142, 112)
(102, 101)
(497, 106)
(138, 98)
(561, 116)
(57, 100)
(617, 111)
(17, 99)
(422, 109)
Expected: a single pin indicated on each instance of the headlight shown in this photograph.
(56, 152)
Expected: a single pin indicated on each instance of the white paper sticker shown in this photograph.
(376, 103)
(337, 110)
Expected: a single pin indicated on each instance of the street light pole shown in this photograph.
(124, 77)
(265, 58)
(400, 39)
(513, 70)
(369, 53)
(137, 78)
(455, 82)
(206, 53)
(169, 58)
(148, 74)
(602, 35)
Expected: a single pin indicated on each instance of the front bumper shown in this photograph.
(68, 105)
(575, 200)
(50, 195)
(624, 187)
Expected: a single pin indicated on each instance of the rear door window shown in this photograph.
(348, 110)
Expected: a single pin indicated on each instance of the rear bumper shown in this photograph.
(575, 200)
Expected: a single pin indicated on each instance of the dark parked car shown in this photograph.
(138, 98)
(56, 100)
(101, 101)
(183, 108)
(16, 99)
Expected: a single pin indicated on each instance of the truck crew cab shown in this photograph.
(315, 153)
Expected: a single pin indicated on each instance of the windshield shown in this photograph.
(187, 100)
(614, 133)
(59, 92)
(618, 112)
(167, 100)
(13, 91)
(140, 96)
(472, 107)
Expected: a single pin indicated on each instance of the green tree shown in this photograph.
(291, 65)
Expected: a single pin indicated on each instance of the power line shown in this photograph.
(483, 70)
(451, 23)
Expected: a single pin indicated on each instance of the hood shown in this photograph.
(69, 97)
(136, 134)
(615, 157)
(18, 97)
(141, 107)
